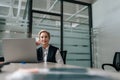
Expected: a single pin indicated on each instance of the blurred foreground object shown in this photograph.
(62, 74)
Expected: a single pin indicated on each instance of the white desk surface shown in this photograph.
(12, 67)
(8, 69)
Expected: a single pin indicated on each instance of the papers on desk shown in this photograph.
(58, 74)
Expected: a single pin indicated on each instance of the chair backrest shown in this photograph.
(116, 60)
(63, 54)
(1, 58)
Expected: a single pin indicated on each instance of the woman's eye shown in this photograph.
(42, 37)
(45, 36)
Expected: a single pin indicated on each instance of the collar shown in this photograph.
(46, 48)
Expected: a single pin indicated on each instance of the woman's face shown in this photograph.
(44, 38)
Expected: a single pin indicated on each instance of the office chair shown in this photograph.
(1, 58)
(63, 54)
(116, 62)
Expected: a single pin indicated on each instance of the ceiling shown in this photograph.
(12, 10)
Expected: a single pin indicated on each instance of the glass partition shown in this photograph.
(47, 5)
(13, 22)
(76, 34)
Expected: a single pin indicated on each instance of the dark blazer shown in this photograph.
(51, 54)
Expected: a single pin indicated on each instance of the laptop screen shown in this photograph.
(19, 50)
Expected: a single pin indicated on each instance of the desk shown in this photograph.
(82, 73)
(8, 69)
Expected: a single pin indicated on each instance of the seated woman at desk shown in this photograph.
(47, 52)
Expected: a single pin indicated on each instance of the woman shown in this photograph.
(47, 52)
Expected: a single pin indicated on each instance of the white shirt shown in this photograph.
(58, 56)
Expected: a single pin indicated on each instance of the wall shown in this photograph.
(106, 23)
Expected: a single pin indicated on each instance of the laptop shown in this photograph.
(20, 50)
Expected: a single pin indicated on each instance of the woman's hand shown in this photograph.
(38, 42)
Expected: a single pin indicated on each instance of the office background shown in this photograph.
(78, 33)
(67, 21)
